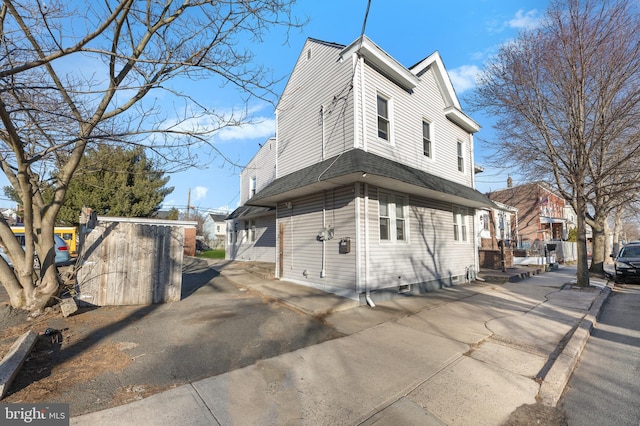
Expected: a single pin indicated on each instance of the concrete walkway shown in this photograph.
(469, 354)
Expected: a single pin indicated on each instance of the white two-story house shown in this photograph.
(367, 190)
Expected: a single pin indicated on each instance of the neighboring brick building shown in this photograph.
(541, 213)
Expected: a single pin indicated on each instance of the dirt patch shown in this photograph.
(60, 358)
(537, 414)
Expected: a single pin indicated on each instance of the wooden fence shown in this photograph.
(128, 263)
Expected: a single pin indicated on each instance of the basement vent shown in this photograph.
(406, 288)
(455, 279)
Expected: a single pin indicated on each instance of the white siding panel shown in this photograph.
(303, 253)
(262, 167)
(316, 105)
(430, 253)
(409, 109)
(263, 249)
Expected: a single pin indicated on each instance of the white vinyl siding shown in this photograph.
(426, 256)
(255, 240)
(259, 172)
(315, 111)
(303, 253)
(409, 110)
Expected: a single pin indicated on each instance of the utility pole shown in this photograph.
(188, 204)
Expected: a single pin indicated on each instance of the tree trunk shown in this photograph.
(27, 288)
(582, 275)
(598, 247)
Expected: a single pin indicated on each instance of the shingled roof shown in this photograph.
(357, 165)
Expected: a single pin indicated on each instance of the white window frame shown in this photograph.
(388, 118)
(253, 183)
(460, 155)
(392, 217)
(460, 224)
(428, 138)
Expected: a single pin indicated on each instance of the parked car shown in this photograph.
(61, 250)
(627, 263)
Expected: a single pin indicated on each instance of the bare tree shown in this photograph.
(567, 103)
(70, 78)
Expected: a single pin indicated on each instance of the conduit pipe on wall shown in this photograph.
(366, 245)
(324, 226)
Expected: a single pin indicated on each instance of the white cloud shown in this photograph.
(523, 19)
(464, 78)
(199, 192)
(262, 128)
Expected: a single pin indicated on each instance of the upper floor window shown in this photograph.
(384, 123)
(460, 157)
(426, 139)
(392, 212)
(252, 186)
(460, 224)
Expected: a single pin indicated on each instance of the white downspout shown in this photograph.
(366, 245)
(476, 257)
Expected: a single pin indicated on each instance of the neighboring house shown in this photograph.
(214, 229)
(494, 228)
(10, 216)
(541, 213)
(368, 189)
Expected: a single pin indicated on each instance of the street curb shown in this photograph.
(558, 376)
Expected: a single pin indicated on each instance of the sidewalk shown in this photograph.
(470, 354)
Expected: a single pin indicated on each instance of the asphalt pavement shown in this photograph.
(469, 354)
(605, 385)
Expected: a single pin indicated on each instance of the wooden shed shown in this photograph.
(132, 261)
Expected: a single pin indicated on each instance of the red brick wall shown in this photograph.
(189, 241)
(491, 259)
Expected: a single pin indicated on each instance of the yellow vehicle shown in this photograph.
(67, 233)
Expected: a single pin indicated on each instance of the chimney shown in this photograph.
(509, 182)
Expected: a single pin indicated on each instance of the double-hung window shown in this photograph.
(392, 216)
(460, 157)
(384, 121)
(427, 149)
(460, 224)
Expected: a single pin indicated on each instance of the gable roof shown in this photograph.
(357, 165)
(453, 110)
(217, 217)
(382, 61)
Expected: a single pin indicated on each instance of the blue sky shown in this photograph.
(465, 32)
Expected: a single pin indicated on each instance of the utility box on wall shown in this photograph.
(345, 245)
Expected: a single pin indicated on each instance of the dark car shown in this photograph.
(627, 263)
